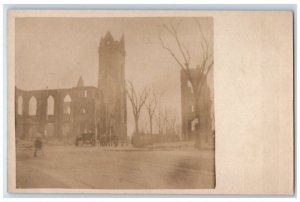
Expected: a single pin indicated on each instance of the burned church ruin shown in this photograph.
(67, 113)
(193, 125)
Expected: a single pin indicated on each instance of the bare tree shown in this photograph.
(169, 121)
(173, 121)
(151, 105)
(137, 101)
(159, 115)
(166, 120)
(196, 76)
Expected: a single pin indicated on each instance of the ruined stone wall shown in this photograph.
(68, 118)
(190, 127)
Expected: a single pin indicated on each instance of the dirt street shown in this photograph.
(114, 168)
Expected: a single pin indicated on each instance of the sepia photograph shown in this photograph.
(114, 103)
(150, 102)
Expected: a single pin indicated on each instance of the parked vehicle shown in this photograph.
(86, 139)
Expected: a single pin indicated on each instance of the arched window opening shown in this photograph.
(67, 104)
(32, 106)
(50, 105)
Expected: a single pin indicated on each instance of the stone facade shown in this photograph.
(190, 124)
(67, 113)
(58, 113)
(112, 117)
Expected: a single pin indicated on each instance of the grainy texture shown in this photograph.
(253, 106)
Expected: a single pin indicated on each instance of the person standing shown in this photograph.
(38, 145)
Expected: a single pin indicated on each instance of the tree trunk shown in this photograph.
(159, 129)
(197, 116)
(136, 121)
(150, 125)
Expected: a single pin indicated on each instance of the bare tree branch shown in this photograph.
(203, 37)
(151, 107)
(187, 53)
(171, 53)
(137, 102)
(180, 46)
(196, 76)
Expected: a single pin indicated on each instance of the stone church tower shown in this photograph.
(112, 111)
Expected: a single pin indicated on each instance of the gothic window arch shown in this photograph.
(67, 104)
(20, 105)
(50, 105)
(32, 106)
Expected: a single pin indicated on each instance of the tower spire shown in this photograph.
(80, 82)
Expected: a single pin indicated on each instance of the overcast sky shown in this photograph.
(55, 52)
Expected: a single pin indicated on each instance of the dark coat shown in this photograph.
(38, 143)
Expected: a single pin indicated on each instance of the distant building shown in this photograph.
(190, 124)
(66, 113)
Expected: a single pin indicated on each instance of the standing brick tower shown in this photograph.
(112, 113)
